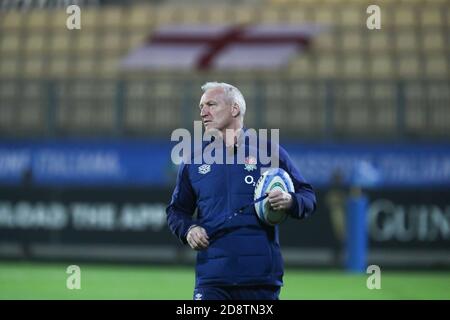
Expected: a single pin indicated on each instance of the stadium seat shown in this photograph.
(61, 42)
(111, 42)
(352, 16)
(87, 42)
(110, 17)
(406, 41)
(326, 15)
(436, 66)
(10, 43)
(432, 17)
(409, 66)
(382, 66)
(167, 14)
(35, 43)
(37, 19)
(244, 15)
(12, 20)
(405, 16)
(433, 40)
(7, 115)
(299, 15)
(352, 41)
(326, 42)
(379, 42)
(327, 65)
(34, 66)
(90, 20)
(272, 15)
(59, 66)
(354, 66)
(140, 17)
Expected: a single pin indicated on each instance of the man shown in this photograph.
(238, 256)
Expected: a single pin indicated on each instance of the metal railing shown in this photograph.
(307, 109)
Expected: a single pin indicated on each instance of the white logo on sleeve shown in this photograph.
(204, 169)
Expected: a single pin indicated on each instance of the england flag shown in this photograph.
(185, 47)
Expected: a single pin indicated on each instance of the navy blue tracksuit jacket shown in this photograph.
(242, 250)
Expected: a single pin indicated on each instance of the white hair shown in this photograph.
(230, 91)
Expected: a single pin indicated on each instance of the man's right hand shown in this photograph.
(197, 238)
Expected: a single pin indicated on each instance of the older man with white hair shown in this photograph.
(238, 257)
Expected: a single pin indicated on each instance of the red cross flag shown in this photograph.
(185, 47)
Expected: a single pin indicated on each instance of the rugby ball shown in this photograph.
(272, 179)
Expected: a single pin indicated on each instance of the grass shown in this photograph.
(48, 281)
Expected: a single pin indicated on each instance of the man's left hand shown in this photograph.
(280, 200)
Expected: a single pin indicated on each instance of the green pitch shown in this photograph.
(48, 281)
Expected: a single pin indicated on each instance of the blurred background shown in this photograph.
(86, 117)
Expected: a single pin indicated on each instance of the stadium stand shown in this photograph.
(389, 83)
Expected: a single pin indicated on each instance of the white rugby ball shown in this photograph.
(272, 179)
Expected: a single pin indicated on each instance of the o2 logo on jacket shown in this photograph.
(250, 180)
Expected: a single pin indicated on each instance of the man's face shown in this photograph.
(216, 110)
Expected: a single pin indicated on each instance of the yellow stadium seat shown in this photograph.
(302, 66)
(352, 16)
(87, 42)
(59, 66)
(351, 41)
(432, 17)
(33, 66)
(37, 19)
(136, 39)
(327, 65)
(406, 41)
(433, 40)
(111, 43)
(409, 66)
(61, 42)
(379, 41)
(299, 15)
(140, 17)
(192, 15)
(325, 41)
(13, 20)
(111, 16)
(447, 14)
(382, 66)
(108, 66)
(405, 16)
(353, 66)
(326, 15)
(35, 43)
(58, 20)
(90, 19)
(9, 67)
(272, 15)
(165, 15)
(436, 66)
(84, 66)
(243, 15)
(10, 43)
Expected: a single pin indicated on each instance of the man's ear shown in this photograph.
(235, 110)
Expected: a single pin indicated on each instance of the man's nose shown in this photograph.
(204, 112)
